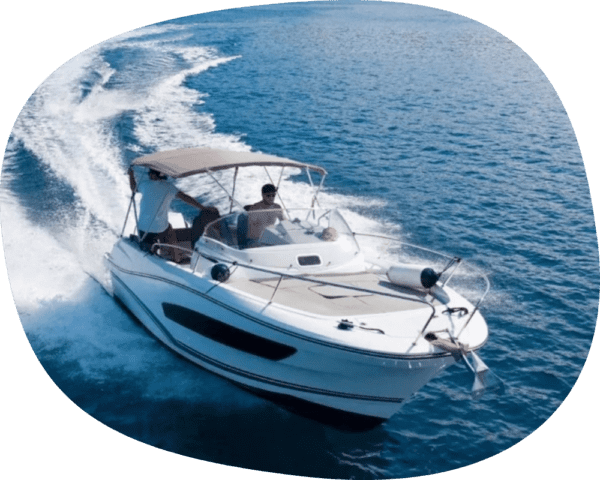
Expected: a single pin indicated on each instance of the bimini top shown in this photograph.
(191, 161)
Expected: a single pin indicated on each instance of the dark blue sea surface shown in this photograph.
(433, 127)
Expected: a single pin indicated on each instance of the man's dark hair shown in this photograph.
(269, 188)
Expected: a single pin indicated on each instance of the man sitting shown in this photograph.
(260, 216)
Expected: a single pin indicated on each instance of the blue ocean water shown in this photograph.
(433, 127)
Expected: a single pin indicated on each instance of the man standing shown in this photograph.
(153, 221)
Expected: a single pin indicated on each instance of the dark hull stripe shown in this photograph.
(226, 334)
(288, 332)
(249, 375)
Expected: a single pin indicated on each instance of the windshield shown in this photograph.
(273, 227)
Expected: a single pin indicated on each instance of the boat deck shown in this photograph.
(329, 300)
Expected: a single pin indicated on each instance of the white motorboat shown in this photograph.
(315, 315)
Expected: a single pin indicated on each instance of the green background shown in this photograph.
(44, 434)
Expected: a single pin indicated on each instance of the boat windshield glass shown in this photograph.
(269, 228)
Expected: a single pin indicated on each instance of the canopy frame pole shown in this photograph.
(280, 177)
(224, 189)
(319, 189)
(273, 183)
(315, 199)
(233, 189)
(127, 215)
(312, 202)
(135, 216)
(312, 185)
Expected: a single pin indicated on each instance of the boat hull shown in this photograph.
(204, 325)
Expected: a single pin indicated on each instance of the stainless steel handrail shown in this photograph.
(403, 243)
(317, 281)
(457, 266)
(156, 246)
(308, 278)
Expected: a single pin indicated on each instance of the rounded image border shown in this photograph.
(46, 435)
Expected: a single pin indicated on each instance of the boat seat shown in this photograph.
(183, 240)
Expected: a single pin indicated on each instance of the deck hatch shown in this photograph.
(226, 334)
(308, 260)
